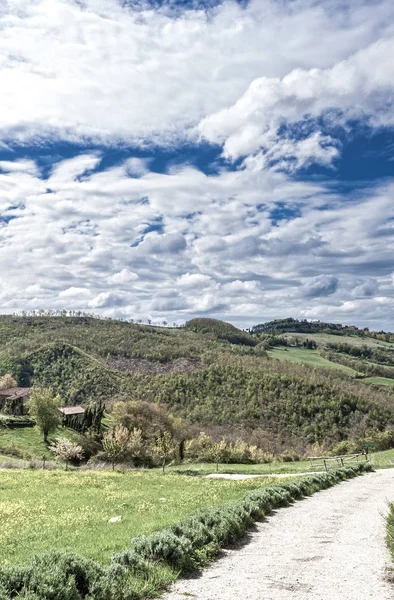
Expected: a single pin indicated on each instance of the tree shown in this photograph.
(7, 381)
(92, 417)
(116, 444)
(165, 447)
(67, 450)
(136, 449)
(220, 453)
(44, 408)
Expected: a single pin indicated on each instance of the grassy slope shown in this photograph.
(29, 441)
(307, 357)
(384, 459)
(379, 380)
(42, 510)
(313, 358)
(327, 338)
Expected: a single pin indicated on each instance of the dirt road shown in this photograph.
(330, 546)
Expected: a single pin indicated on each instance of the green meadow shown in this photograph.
(28, 442)
(379, 380)
(307, 357)
(70, 511)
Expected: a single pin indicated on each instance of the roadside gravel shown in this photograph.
(326, 547)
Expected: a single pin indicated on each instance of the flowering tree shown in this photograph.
(67, 450)
(116, 444)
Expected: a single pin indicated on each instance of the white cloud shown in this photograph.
(360, 86)
(82, 246)
(107, 300)
(127, 241)
(194, 280)
(123, 277)
(74, 292)
(19, 166)
(102, 70)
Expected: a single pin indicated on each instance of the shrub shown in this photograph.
(54, 575)
(203, 448)
(161, 546)
(289, 456)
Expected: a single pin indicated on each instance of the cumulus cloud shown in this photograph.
(360, 86)
(81, 246)
(322, 285)
(270, 82)
(112, 72)
(123, 277)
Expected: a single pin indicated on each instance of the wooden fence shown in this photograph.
(318, 463)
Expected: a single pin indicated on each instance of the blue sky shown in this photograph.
(168, 160)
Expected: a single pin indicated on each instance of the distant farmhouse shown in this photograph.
(13, 400)
(70, 413)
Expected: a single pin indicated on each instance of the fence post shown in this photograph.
(325, 466)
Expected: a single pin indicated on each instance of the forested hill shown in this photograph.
(212, 374)
(291, 325)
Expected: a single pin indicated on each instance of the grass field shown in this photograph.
(261, 469)
(29, 440)
(384, 459)
(64, 510)
(327, 338)
(379, 380)
(308, 357)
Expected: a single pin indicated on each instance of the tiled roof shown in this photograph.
(15, 392)
(72, 410)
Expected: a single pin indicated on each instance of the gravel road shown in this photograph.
(330, 546)
(239, 476)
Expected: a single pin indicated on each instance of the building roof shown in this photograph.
(15, 392)
(72, 410)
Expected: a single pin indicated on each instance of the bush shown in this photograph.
(54, 575)
(15, 422)
(12, 450)
(289, 456)
(203, 449)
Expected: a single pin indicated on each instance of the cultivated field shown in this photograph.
(58, 510)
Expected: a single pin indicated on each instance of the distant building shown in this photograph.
(13, 400)
(71, 412)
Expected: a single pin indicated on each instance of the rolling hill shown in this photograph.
(268, 388)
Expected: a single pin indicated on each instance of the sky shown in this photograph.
(166, 160)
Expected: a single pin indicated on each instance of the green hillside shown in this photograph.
(358, 352)
(261, 388)
(221, 331)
